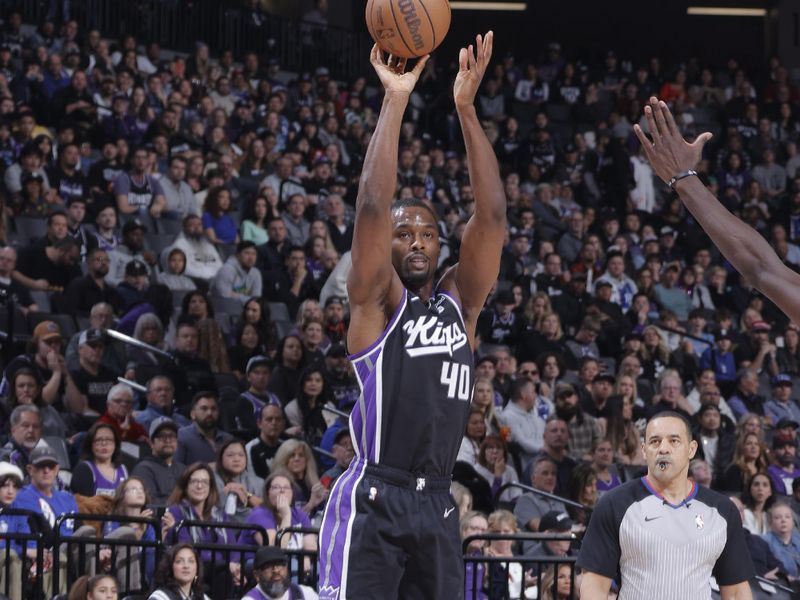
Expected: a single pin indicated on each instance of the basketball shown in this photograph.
(408, 28)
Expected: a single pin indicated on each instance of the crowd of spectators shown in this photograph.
(203, 205)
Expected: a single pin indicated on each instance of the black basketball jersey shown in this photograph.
(416, 387)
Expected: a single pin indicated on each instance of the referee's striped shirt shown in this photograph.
(660, 551)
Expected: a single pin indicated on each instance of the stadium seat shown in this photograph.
(283, 327)
(279, 311)
(169, 226)
(29, 228)
(227, 381)
(42, 300)
(230, 306)
(157, 242)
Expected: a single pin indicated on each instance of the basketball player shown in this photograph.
(663, 536)
(390, 529)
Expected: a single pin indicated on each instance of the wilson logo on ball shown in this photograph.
(412, 21)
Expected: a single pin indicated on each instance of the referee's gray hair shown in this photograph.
(16, 414)
(120, 387)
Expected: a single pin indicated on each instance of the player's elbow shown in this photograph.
(594, 586)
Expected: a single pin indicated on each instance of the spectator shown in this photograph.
(254, 222)
(202, 259)
(218, 226)
(138, 193)
(131, 248)
(201, 440)
(473, 437)
(195, 498)
(99, 472)
(48, 268)
(159, 472)
(714, 445)
(530, 507)
(555, 522)
(85, 292)
(179, 575)
(26, 433)
(173, 269)
(192, 373)
(178, 196)
(119, 414)
(261, 451)
(757, 498)
(746, 399)
(238, 278)
(781, 405)
(522, 418)
(160, 403)
(270, 569)
(492, 465)
(783, 471)
(18, 293)
(66, 178)
(290, 359)
(238, 489)
(343, 453)
(295, 458)
(92, 379)
(783, 539)
(297, 227)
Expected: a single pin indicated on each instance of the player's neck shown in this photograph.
(674, 491)
(423, 292)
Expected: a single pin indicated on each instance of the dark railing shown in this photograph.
(105, 554)
(31, 572)
(303, 564)
(488, 576)
(226, 553)
(178, 24)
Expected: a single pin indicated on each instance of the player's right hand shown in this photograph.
(391, 71)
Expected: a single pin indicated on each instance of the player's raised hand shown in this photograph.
(392, 71)
(668, 153)
(472, 65)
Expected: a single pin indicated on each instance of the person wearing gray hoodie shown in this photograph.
(173, 267)
(238, 277)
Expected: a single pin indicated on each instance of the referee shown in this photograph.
(663, 537)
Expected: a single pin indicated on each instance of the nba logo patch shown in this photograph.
(698, 520)
(373, 493)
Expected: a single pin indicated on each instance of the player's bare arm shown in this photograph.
(373, 286)
(472, 279)
(751, 255)
(594, 586)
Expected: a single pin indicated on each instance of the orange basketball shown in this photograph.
(408, 28)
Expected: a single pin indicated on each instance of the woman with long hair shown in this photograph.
(750, 423)
(99, 587)
(749, 459)
(582, 488)
(218, 225)
(623, 434)
(247, 344)
(179, 575)
(507, 580)
(537, 307)
(254, 224)
(320, 229)
(551, 369)
(655, 353)
(483, 398)
(295, 457)
(492, 465)
(256, 312)
(255, 163)
(757, 497)
(100, 472)
(564, 588)
(195, 498)
(473, 437)
(211, 344)
(290, 358)
(306, 410)
(237, 487)
(149, 330)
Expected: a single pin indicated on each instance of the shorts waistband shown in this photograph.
(418, 482)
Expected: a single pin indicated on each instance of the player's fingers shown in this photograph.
(471, 56)
(702, 139)
(462, 60)
(417, 70)
(375, 55)
(488, 42)
(661, 121)
(646, 144)
(651, 123)
(670, 119)
(479, 49)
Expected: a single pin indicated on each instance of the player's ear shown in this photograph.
(692, 449)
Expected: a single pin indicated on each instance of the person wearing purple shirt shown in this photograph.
(195, 498)
(783, 471)
(278, 511)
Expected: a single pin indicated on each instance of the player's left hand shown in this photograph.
(668, 153)
(472, 64)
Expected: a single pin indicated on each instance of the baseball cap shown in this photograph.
(159, 423)
(133, 226)
(257, 361)
(43, 454)
(47, 330)
(269, 555)
(91, 336)
(31, 176)
(604, 377)
(333, 300)
(505, 297)
(722, 335)
(135, 268)
(555, 521)
(781, 379)
(760, 326)
(783, 422)
(707, 407)
(779, 441)
(667, 230)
